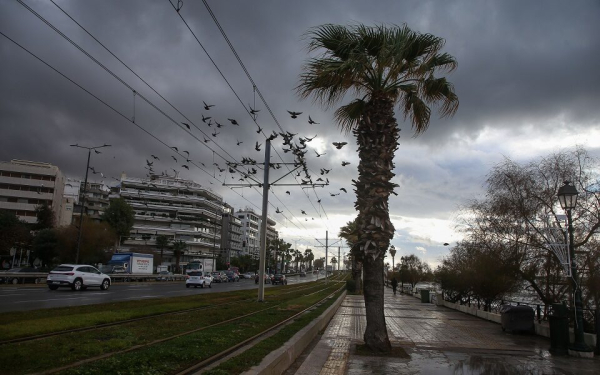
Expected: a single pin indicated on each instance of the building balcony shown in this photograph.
(26, 182)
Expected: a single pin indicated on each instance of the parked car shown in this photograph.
(219, 277)
(21, 280)
(77, 277)
(197, 279)
(232, 276)
(279, 279)
(248, 275)
(165, 276)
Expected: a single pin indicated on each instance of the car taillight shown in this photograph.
(70, 274)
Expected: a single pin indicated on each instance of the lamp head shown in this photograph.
(567, 196)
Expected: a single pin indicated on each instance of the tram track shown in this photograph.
(221, 354)
(292, 289)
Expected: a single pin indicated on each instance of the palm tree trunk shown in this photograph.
(377, 137)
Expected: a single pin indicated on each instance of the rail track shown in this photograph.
(292, 289)
(205, 362)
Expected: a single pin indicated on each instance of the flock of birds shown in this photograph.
(249, 167)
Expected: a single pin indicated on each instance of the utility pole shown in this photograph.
(326, 246)
(266, 185)
(83, 196)
(263, 225)
(339, 259)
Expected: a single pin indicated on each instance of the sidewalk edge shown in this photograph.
(281, 359)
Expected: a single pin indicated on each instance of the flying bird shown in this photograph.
(287, 192)
(149, 163)
(188, 154)
(319, 155)
(174, 158)
(303, 212)
(311, 122)
(185, 166)
(233, 122)
(310, 139)
(278, 211)
(253, 111)
(214, 134)
(97, 152)
(294, 114)
(187, 126)
(218, 125)
(344, 163)
(344, 190)
(259, 130)
(175, 148)
(204, 119)
(239, 142)
(207, 106)
(155, 157)
(257, 147)
(339, 145)
(333, 195)
(325, 171)
(206, 140)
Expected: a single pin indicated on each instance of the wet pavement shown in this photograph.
(429, 339)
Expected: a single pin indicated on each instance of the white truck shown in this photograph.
(200, 264)
(133, 263)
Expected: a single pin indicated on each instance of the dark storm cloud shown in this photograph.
(519, 63)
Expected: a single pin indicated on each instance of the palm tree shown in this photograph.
(178, 248)
(309, 257)
(384, 67)
(162, 242)
(349, 233)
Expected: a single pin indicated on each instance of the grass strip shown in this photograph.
(29, 323)
(61, 350)
(255, 355)
(180, 353)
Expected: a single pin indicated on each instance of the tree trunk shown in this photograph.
(377, 137)
(376, 331)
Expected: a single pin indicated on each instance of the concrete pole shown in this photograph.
(326, 253)
(263, 225)
(87, 169)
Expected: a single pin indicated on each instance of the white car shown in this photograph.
(197, 279)
(78, 277)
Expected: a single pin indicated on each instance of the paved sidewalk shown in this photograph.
(436, 340)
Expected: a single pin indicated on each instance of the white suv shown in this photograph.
(77, 276)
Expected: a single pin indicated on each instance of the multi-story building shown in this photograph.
(96, 200)
(272, 234)
(231, 233)
(24, 185)
(180, 209)
(251, 224)
(250, 232)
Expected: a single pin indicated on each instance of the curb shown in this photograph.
(281, 359)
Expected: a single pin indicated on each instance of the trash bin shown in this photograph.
(559, 329)
(424, 296)
(517, 318)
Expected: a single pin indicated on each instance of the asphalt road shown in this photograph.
(22, 298)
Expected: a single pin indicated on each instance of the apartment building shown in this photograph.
(250, 232)
(182, 210)
(97, 200)
(231, 233)
(24, 185)
(251, 224)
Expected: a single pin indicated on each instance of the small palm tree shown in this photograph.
(178, 248)
(162, 242)
(384, 67)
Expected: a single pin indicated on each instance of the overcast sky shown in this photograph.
(527, 79)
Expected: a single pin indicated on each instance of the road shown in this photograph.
(22, 298)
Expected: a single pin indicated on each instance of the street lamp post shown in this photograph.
(84, 192)
(567, 196)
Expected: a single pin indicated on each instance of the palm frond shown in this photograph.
(349, 115)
